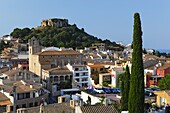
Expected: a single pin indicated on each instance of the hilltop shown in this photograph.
(59, 33)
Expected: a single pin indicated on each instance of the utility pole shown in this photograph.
(14, 95)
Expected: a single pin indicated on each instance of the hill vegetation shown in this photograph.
(70, 36)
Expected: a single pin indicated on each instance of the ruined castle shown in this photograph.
(55, 22)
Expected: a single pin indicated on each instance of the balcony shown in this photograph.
(81, 70)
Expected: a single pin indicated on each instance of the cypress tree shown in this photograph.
(125, 89)
(136, 94)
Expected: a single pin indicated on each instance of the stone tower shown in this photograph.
(34, 47)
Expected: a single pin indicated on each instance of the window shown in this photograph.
(30, 104)
(33, 94)
(20, 96)
(55, 78)
(4, 108)
(27, 95)
(61, 78)
(11, 108)
(77, 80)
(77, 74)
(23, 105)
(36, 104)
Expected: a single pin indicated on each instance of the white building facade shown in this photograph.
(81, 75)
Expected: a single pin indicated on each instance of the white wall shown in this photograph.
(94, 99)
(77, 109)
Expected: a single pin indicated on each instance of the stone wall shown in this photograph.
(55, 22)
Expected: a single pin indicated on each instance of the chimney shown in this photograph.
(61, 99)
(73, 103)
(31, 86)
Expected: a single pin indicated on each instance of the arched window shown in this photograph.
(61, 78)
(51, 79)
(67, 77)
(56, 79)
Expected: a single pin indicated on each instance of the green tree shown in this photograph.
(164, 83)
(105, 84)
(157, 53)
(144, 51)
(16, 32)
(136, 93)
(125, 89)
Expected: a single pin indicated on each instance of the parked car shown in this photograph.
(99, 90)
(118, 90)
(114, 91)
(107, 90)
(155, 89)
(91, 91)
(149, 92)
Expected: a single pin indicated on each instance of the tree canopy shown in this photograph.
(136, 93)
(69, 36)
(125, 89)
(164, 83)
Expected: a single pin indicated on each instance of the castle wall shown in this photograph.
(55, 22)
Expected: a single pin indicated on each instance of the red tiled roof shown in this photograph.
(21, 87)
(98, 109)
(59, 70)
(11, 72)
(65, 52)
(165, 66)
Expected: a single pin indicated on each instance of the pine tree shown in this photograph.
(125, 89)
(136, 94)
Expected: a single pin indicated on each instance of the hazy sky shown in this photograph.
(107, 20)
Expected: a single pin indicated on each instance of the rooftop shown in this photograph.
(51, 108)
(21, 87)
(98, 109)
(64, 52)
(96, 66)
(59, 70)
(4, 100)
(165, 66)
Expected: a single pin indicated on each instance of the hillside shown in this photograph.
(68, 36)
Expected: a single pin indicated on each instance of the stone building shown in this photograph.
(26, 95)
(55, 22)
(50, 57)
(17, 75)
(56, 79)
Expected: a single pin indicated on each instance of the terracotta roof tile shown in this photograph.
(96, 65)
(11, 72)
(25, 87)
(21, 87)
(65, 52)
(3, 97)
(165, 66)
(52, 108)
(59, 70)
(98, 109)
